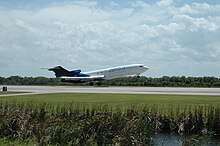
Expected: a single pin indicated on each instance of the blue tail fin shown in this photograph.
(60, 71)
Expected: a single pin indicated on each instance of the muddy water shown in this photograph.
(180, 140)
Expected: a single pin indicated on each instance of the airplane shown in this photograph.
(76, 76)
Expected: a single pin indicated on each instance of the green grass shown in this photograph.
(115, 99)
(9, 142)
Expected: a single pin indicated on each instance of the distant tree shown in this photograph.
(2, 80)
(216, 84)
(165, 81)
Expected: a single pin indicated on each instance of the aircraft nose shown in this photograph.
(146, 68)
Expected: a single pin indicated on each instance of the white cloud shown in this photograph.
(165, 3)
(194, 24)
(140, 4)
(199, 9)
(170, 40)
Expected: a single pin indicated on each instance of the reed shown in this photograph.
(71, 124)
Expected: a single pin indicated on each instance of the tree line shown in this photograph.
(165, 81)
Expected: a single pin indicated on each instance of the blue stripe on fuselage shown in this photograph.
(82, 75)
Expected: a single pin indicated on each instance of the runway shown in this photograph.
(116, 90)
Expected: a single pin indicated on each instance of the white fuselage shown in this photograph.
(119, 71)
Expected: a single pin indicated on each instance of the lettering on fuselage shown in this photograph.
(117, 69)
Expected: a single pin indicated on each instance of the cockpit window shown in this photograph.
(141, 66)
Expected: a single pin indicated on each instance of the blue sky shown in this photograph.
(172, 37)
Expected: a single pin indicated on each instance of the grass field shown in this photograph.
(116, 99)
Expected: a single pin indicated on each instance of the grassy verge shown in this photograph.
(117, 99)
(165, 103)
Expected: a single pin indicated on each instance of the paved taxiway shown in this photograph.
(119, 90)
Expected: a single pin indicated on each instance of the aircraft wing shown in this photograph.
(88, 78)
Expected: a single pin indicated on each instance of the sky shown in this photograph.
(171, 37)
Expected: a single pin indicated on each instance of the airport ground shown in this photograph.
(118, 90)
(113, 96)
(116, 96)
